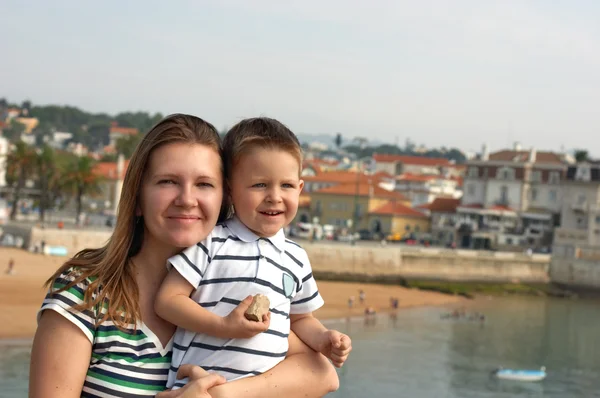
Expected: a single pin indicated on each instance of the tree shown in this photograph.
(581, 155)
(79, 177)
(20, 164)
(338, 140)
(14, 131)
(48, 177)
(126, 145)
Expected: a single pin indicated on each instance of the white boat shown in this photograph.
(521, 374)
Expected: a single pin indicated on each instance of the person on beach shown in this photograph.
(246, 255)
(11, 267)
(98, 334)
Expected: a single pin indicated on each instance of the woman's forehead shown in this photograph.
(184, 158)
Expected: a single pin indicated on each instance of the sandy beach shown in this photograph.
(22, 292)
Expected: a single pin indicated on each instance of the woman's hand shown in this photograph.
(200, 382)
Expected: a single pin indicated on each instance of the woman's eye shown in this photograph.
(166, 182)
(259, 185)
(205, 185)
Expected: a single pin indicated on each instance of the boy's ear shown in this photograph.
(301, 185)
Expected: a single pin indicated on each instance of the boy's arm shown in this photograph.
(308, 329)
(173, 304)
(334, 345)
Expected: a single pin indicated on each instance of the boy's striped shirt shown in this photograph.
(228, 266)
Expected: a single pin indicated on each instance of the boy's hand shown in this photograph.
(336, 346)
(236, 326)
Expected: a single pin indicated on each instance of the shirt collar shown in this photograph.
(241, 231)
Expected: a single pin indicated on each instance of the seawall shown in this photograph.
(366, 261)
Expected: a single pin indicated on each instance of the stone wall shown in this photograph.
(428, 263)
(369, 260)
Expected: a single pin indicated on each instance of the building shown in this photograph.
(400, 164)
(443, 219)
(112, 174)
(336, 205)
(422, 189)
(512, 198)
(117, 132)
(576, 246)
(394, 217)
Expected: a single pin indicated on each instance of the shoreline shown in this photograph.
(21, 295)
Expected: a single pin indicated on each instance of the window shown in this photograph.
(407, 227)
(509, 241)
(473, 172)
(581, 199)
(485, 172)
(536, 176)
(534, 194)
(504, 194)
(597, 219)
(471, 189)
(554, 177)
(417, 228)
(506, 173)
(552, 196)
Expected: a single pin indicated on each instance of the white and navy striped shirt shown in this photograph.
(228, 266)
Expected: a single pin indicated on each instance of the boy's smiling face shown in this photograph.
(265, 187)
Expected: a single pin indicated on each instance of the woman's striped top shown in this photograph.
(124, 363)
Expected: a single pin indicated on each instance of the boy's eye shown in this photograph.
(288, 186)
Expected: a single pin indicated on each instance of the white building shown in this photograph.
(576, 248)
(423, 189)
(512, 197)
(400, 164)
(4, 149)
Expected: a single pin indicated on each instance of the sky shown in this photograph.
(457, 73)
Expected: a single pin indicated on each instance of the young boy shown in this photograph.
(210, 285)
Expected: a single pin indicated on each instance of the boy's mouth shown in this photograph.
(271, 213)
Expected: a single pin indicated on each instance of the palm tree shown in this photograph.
(80, 178)
(48, 176)
(20, 164)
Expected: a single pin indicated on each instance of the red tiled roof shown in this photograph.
(397, 209)
(473, 206)
(417, 177)
(523, 156)
(415, 160)
(363, 190)
(442, 205)
(383, 175)
(123, 130)
(108, 170)
(501, 208)
(337, 176)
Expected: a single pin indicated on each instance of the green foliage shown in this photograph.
(368, 151)
(79, 178)
(127, 145)
(20, 166)
(13, 131)
(581, 155)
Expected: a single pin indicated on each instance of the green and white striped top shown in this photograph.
(129, 363)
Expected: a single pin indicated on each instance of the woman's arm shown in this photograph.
(304, 373)
(60, 358)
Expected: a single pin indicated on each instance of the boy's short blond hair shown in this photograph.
(259, 132)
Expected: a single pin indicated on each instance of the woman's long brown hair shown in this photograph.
(113, 286)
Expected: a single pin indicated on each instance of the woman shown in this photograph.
(98, 334)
